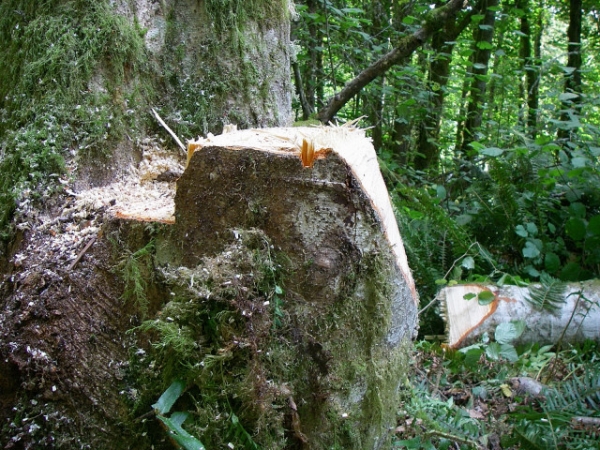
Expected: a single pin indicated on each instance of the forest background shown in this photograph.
(487, 134)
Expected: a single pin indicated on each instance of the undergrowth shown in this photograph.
(457, 401)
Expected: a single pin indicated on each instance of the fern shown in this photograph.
(552, 428)
(577, 396)
(548, 296)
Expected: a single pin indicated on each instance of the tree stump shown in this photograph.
(347, 295)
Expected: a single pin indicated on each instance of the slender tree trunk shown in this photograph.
(534, 87)
(573, 82)
(380, 14)
(483, 41)
(439, 72)
(313, 73)
(529, 87)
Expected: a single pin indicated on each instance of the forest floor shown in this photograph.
(546, 399)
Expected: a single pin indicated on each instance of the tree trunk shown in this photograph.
(83, 77)
(348, 302)
(483, 42)
(573, 82)
(529, 87)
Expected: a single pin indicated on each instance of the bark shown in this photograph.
(405, 48)
(439, 72)
(477, 89)
(575, 320)
(573, 82)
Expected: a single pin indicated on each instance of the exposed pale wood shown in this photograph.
(171, 132)
(578, 318)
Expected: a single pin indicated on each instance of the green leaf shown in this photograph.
(169, 397)
(580, 162)
(464, 219)
(441, 192)
(551, 262)
(492, 151)
(507, 332)
(410, 444)
(441, 282)
(352, 10)
(178, 434)
(468, 263)
(543, 140)
(532, 229)
(530, 250)
(479, 66)
(567, 96)
(484, 45)
(508, 352)
(469, 296)
(472, 357)
(571, 272)
(492, 351)
(521, 231)
(577, 209)
(593, 227)
(575, 228)
(485, 298)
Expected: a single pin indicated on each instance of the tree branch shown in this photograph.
(433, 22)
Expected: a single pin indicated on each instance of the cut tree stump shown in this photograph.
(318, 196)
(278, 268)
(577, 318)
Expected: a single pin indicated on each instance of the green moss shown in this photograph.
(231, 15)
(66, 88)
(202, 103)
(247, 349)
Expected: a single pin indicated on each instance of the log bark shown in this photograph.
(576, 319)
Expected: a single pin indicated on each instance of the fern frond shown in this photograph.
(548, 295)
(534, 435)
(577, 396)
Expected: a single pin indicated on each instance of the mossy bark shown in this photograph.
(78, 80)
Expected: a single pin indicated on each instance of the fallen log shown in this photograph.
(574, 317)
